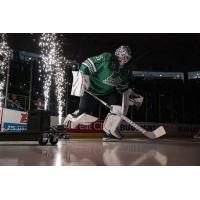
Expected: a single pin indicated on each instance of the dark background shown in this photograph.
(152, 51)
(166, 100)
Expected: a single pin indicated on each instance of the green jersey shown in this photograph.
(105, 74)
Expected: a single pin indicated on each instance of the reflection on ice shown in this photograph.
(130, 152)
(115, 154)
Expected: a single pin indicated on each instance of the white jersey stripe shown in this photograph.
(88, 65)
(94, 68)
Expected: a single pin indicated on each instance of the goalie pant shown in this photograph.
(90, 105)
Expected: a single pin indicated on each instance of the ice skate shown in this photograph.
(111, 138)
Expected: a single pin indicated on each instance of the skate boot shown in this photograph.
(111, 138)
(111, 128)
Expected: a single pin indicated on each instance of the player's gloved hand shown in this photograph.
(135, 99)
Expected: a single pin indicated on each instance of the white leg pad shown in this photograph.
(72, 121)
(111, 124)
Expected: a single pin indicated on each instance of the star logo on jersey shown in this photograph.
(99, 57)
(113, 80)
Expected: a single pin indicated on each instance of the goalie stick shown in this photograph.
(160, 131)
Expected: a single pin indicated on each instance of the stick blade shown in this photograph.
(160, 131)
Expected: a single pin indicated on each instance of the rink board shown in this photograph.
(171, 129)
(16, 121)
(13, 120)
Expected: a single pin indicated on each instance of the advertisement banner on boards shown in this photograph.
(171, 129)
(1, 112)
(14, 121)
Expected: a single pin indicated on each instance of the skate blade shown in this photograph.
(111, 140)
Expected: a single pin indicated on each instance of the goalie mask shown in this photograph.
(123, 54)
